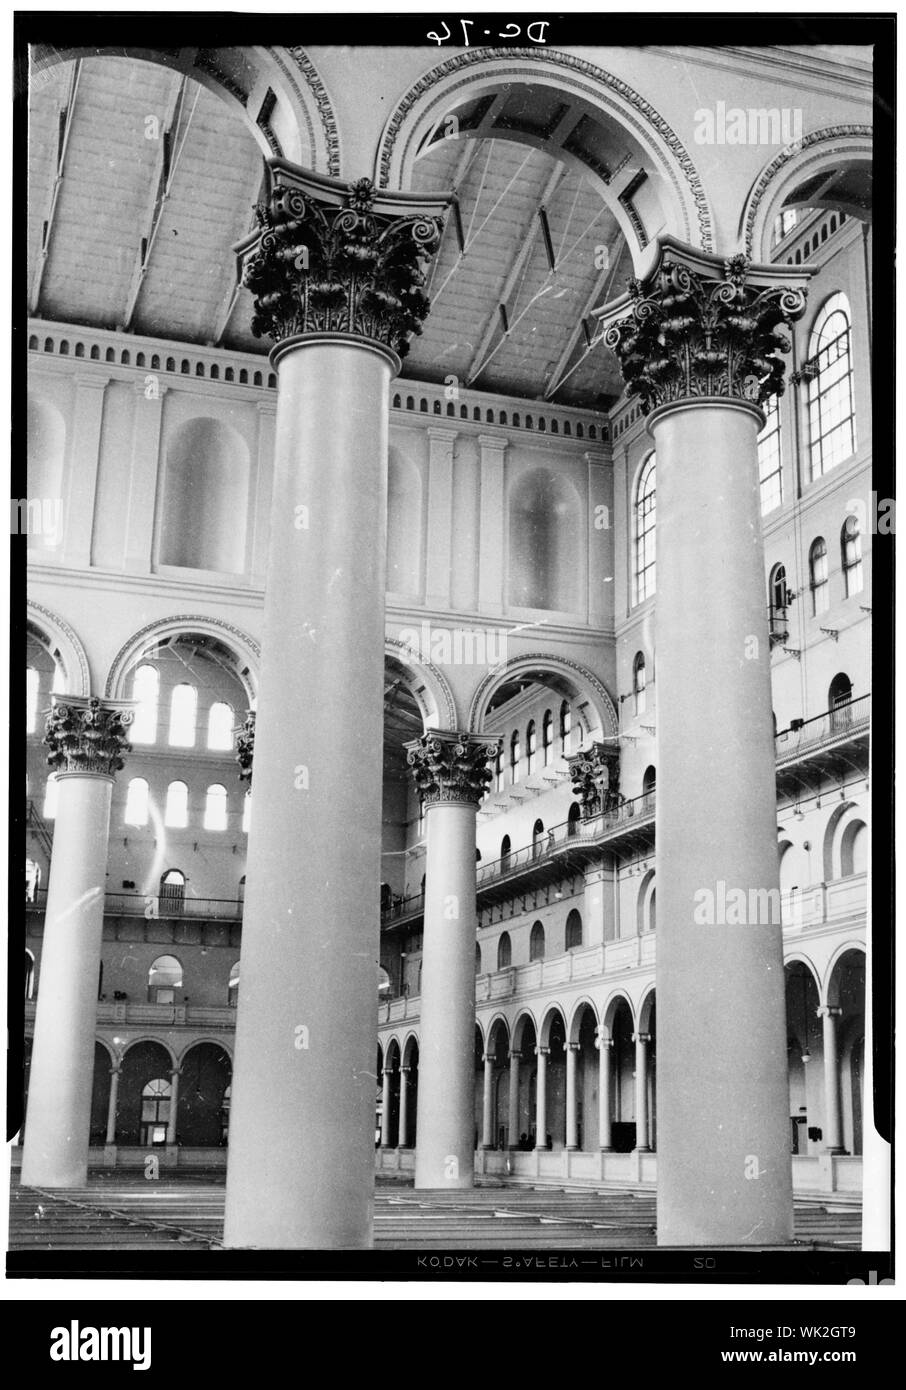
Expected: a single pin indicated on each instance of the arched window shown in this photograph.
(215, 808)
(504, 951)
(477, 957)
(649, 781)
(233, 987)
(498, 770)
(831, 411)
(536, 942)
(853, 849)
(537, 838)
(164, 979)
(547, 737)
(176, 811)
(531, 743)
(573, 930)
(514, 757)
(51, 792)
(770, 473)
(172, 892)
(566, 723)
(183, 704)
(145, 691)
(246, 813)
(839, 697)
(137, 802)
(504, 853)
(638, 682)
(644, 574)
(220, 726)
(32, 684)
(817, 570)
(155, 1112)
(29, 975)
(778, 596)
(851, 552)
(573, 819)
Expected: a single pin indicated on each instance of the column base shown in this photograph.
(571, 1148)
(835, 1150)
(643, 1149)
(605, 1148)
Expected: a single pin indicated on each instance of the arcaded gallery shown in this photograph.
(450, 523)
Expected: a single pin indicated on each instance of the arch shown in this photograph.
(617, 999)
(292, 115)
(646, 1010)
(537, 942)
(165, 977)
(204, 511)
(819, 152)
(241, 646)
(410, 1050)
(645, 904)
(65, 647)
(207, 1072)
(504, 951)
(553, 1012)
(831, 991)
(426, 683)
(523, 1020)
(497, 1025)
(505, 849)
(614, 114)
(575, 1023)
(853, 848)
(830, 856)
(544, 565)
(568, 678)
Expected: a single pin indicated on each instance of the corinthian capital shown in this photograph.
(245, 748)
(451, 766)
(595, 774)
(701, 326)
(331, 257)
(86, 735)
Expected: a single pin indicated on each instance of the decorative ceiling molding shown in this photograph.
(243, 646)
(324, 104)
(434, 679)
(72, 653)
(583, 680)
(817, 141)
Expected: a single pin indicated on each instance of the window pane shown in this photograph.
(183, 704)
(177, 809)
(32, 683)
(215, 810)
(137, 802)
(220, 726)
(145, 690)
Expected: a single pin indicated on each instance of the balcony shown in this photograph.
(154, 908)
(157, 1015)
(833, 745)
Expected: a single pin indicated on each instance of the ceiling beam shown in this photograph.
(493, 322)
(602, 288)
(161, 178)
(65, 130)
(467, 158)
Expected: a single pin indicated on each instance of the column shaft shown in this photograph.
(722, 1082)
(302, 1116)
(487, 1130)
(403, 1135)
(833, 1131)
(110, 1137)
(174, 1106)
(641, 1092)
(444, 1151)
(55, 1153)
(541, 1099)
(513, 1099)
(385, 1109)
(605, 1047)
(572, 1127)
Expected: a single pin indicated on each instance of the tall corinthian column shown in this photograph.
(451, 772)
(699, 343)
(337, 275)
(87, 740)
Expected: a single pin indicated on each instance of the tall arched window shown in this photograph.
(644, 569)
(145, 691)
(537, 838)
(573, 819)
(638, 682)
(851, 554)
(854, 849)
(51, 792)
(777, 596)
(770, 473)
(514, 757)
(817, 574)
(573, 930)
(530, 747)
(566, 723)
(831, 410)
(32, 880)
(183, 705)
(32, 684)
(504, 951)
(29, 975)
(233, 987)
(498, 770)
(137, 802)
(649, 781)
(220, 726)
(176, 811)
(536, 942)
(215, 808)
(504, 853)
(247, 813)
(164, 979)
(547, 737)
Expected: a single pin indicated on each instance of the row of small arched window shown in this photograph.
(531, 763)
(818, 572)
(140, 807)
(165, 977)
(537, 942)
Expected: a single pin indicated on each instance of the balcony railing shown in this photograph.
(153, 907)
(842, 722)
